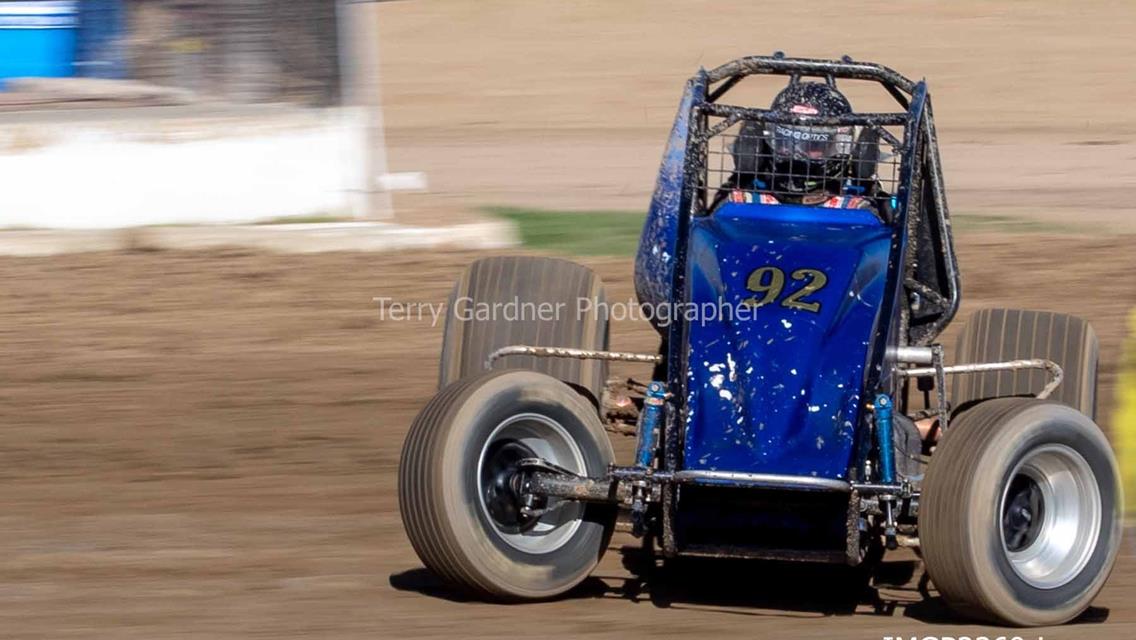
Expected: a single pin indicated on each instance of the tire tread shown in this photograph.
(467, 343)
(946, 488)
(957, 481)
(421, 492)
(1010, 334)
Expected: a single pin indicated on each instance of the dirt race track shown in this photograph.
(205, 445)
(568, 104)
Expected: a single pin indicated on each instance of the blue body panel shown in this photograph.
(654, 263)
(777, 389)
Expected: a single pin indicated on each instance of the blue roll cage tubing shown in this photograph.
(916, 119)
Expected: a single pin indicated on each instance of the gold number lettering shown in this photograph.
(816, 281)
(769, 287)
(769, 283)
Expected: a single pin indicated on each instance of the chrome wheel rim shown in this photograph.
(527, 435)
(1050, 516)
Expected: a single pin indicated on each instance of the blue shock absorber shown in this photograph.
(883, 435)
(648, 424)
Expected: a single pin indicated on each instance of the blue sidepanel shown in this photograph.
(654, 263)
(777, 389)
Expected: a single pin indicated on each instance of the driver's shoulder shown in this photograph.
(742, 196)
(848, 202)
(831, 202)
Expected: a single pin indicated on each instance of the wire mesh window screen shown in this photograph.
(799, 164)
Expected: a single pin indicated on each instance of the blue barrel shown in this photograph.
(37, 39)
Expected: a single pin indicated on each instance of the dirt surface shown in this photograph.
(568, 104)
(205, 445)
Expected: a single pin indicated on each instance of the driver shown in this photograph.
(798, 164)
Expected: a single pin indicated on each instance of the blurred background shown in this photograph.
(201, 408)
(244, 51)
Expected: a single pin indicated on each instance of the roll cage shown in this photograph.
(918, 206)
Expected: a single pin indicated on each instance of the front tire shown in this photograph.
(1020, 517)
(461, 511)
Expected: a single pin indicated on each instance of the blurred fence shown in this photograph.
(102, 24)
(237, 50)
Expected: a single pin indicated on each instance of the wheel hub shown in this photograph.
(528, 523)
(1051, 516)
(1023, 514)
(501, 481)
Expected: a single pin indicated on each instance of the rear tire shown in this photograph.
(461, 512)
(1019, 519)
(993, 335)
(539, 283)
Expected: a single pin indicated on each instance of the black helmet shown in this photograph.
(808, 159)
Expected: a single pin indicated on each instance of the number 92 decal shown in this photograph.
(769, 283)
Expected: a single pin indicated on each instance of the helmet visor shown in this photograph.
(809, 143)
